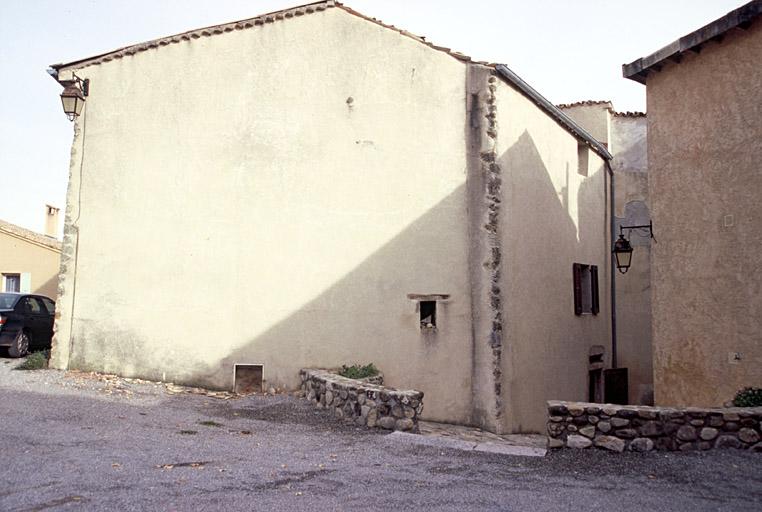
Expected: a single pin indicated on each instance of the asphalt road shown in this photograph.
(73, 443)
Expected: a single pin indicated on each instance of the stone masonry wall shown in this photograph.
(364, 403)
(641, 429)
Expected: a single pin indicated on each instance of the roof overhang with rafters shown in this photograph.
(740, 18)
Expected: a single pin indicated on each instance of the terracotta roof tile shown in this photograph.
(248, 23)
(584, 103)
(32, 236)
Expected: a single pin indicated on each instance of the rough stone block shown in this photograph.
(588, 431)
(727, 442)
(627, 433)
(372, 419)
(619, 422)
(604, 426)
(708, 433)
(748, 435)
(575, 410)
(686, 433)
(555, 443)
(579, 442)
(611, 443)
(647, 414)
(651, 429)
(387, 422)
(641, 444)
(404, 424)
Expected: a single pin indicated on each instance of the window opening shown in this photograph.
(12, 283)
(248, 378)
(428, 310)
(586, 299)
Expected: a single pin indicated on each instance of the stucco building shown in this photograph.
(705, 186)
(311, 188)
(29, 261)
(624, 134)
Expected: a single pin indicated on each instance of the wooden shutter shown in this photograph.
(577, 270)
(594, 289)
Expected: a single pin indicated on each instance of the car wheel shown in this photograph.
(20, 345)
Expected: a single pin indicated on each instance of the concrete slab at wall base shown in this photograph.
(459, 444)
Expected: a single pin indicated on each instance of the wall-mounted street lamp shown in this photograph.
(622, 248)
(73, 96)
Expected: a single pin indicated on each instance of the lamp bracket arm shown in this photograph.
(648, 226)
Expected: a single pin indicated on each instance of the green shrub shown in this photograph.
(35, 361)
(358, 372)
(748, 397)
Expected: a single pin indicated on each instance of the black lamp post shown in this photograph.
(73, 97)
(623, 250)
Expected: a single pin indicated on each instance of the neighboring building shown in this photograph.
(311, 188)
(624, 133)
(705, 186)
(29, 261)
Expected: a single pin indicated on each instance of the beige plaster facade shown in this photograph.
(625, 135)
(287, 209)
(30, 259)
(704, 144)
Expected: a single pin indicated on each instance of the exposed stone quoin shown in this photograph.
(365, 403)
(620, 428)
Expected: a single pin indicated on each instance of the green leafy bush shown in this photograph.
(35, 361)
(748, 397)
(358, 372)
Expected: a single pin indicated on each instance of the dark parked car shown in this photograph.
(26, 322)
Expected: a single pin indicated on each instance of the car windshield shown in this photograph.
(8, 300)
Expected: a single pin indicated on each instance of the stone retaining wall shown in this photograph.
(362, 402)
(641, 429)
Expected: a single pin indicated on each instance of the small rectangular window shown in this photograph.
(12, 283)
(586, 300)
(428, 310)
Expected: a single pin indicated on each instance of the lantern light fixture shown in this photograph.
(73, 96)
(623, 250)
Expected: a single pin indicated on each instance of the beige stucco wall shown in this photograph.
(19, 255)
(272, 195)
(552, 217)
(705, 133)
(628, 144)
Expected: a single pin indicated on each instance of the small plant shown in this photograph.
(358, 372)
(35, 361)
(748, 397)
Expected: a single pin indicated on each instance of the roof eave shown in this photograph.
(567, 122)
(739, 18)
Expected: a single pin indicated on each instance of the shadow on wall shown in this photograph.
(366, 316)
(547, 343)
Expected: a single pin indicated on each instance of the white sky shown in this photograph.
(567, 50)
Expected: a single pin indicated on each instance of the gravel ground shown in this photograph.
(73, 442)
